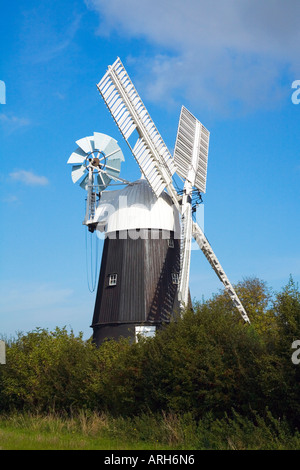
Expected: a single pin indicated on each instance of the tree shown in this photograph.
(287, 311)
(49, 370)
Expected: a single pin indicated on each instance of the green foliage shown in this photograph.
(49, 370)
(206, 363)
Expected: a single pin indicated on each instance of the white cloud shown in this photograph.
(29, 178)
(215, 52)
(14, 122)
(11, 199)
(246, 25)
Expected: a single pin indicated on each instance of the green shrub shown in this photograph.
(49, 370)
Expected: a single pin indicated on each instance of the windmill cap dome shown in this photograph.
(136, 207)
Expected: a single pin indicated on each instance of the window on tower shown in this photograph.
(112, 280)
(171, 242)
(175, 278)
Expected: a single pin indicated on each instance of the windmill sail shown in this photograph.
(191, 150)
(190, 155)
(215, 264)
(129, 113)
(185, 251)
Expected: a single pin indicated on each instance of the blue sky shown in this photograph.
(230, 63)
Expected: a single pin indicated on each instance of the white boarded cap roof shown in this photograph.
(136, 207)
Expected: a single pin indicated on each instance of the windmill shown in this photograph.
(158, 168)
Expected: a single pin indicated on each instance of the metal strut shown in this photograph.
(215, 264)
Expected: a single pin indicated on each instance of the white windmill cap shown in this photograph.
(136, 207)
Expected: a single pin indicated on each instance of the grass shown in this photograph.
(93, 431)
(11, 439)
(83, 432)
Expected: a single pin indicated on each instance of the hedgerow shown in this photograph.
(207, 361)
